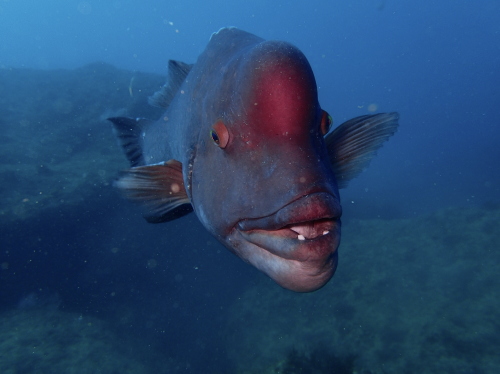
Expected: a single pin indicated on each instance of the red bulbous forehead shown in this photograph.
(282, 97)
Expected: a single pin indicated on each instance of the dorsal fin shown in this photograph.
(353, 144)
(177, 72)
(128, 131)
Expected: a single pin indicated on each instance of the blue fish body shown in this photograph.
(245, 144)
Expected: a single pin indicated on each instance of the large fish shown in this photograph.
(245, 144)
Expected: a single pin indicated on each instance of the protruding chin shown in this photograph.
(302, 276)
(294, 275)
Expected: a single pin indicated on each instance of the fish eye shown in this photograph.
(326, 123)
(219, 134)
(214, 136)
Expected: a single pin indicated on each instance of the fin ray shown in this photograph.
(354, 143)
(160, 188)
(177, 73)
(128, 132)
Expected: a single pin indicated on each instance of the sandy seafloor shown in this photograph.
(416, 295)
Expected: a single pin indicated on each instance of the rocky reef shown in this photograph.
(47, 340)
(416, 295)
(57, 148)
(410, 296)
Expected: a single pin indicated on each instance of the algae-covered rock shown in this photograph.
(410, 296)
(51, 341)
(57, 147)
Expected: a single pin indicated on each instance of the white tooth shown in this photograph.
(301, 237)
(325, 232)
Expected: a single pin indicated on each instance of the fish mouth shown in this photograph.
(296, 246)
(290, 232)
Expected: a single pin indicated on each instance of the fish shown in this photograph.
(245, 145)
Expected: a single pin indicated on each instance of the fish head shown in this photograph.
(261, 179)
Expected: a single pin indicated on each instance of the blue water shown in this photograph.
(436, 63)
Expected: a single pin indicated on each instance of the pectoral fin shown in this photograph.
(160, 188)
(353, 144)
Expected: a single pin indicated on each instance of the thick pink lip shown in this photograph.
(311, 207)
(307, 229)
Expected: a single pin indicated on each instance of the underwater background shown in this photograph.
(87, 286)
